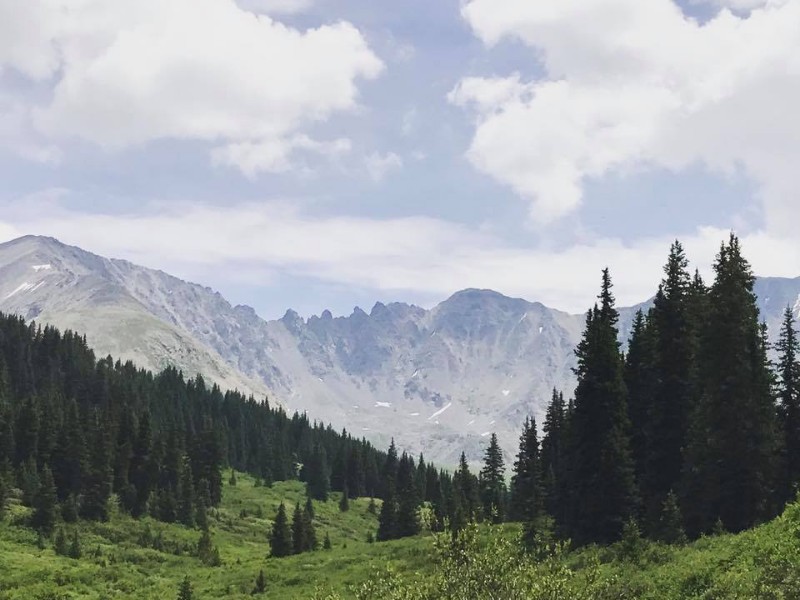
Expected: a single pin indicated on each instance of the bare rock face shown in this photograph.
(438, 381)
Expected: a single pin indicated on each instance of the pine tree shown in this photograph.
(75, 551)
(670, 527)
(641, 381)
(60, 543)
(185, 591)
(603, 484)
(344, 501)
(186, 501)
(261, 583)
(493, 490)
(310, 533)
(408, 501)
(46, 503)
(730, 455)
(281, 540)
(299, 540)
(309, 507)
(527, 496)
(788, 348)
(389, 471)
(553, 455)
(318, 475)
(326, 545)
(466, 491)
(387, 519)
(674, 392)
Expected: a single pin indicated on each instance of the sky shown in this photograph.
(323, 154)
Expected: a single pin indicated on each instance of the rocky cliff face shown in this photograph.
(437, 380)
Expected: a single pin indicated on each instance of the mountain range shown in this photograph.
(439, 381)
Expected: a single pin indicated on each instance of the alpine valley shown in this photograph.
(438, 381)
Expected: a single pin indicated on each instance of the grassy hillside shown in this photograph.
(119, 560)
(115, 563)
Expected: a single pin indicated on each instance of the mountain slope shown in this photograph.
(437, 380)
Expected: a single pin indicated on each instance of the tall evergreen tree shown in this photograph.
(299, 539)
(466, 493)
(493, 484)
(280, 541)
(730, 456)
(308, 528)
(46, 503)
(527, 495)
(553, 456)
(603, 484)
(408, 500)
(788, 348)
(675, 389)
(387, 519)
(185, 591)
(318, 475)
(641, 381)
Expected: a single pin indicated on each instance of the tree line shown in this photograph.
(77, 433)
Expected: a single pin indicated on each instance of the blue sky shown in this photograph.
(330, 153)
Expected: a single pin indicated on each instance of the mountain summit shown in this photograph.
(437, 380)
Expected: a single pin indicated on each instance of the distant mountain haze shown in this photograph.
(439, 381)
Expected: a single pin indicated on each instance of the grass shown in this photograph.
(761, 563)
(116, 565)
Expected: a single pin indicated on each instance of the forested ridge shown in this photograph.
(75, 430)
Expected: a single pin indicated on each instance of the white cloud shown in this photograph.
(631, 84)
(128, 73)
(379, 165)
(275, 7)
(422, 255)
(274, 156)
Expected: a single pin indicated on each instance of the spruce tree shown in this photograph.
(186, 501)
(46, 503)
(527, 497)
(326, 544)
(553, 455)
(603, 484)
(185, 591)
(318, 475)
(408, 501)
(310, 533)
(344, 501)
(387, 519)
(467, 491)
(788, 367)
(641, 381)
(674, 392)
(3, 493)
(493, 485)
(261, 583)
(730, 456)
(75, 551)
(299, 541)
(281, 539)
(60, 543)
(670, 526)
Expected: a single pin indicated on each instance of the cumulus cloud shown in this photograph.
(418, 254)
(630, 84)
(127, 73)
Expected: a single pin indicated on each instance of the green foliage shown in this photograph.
(75, 551)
